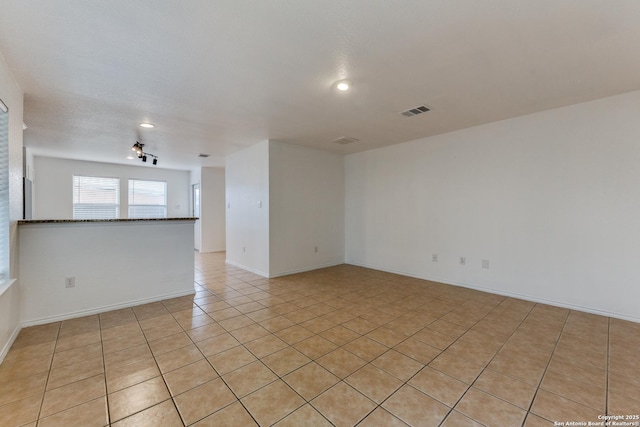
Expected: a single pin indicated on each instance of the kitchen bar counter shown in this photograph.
(71, 221)
(71, 268)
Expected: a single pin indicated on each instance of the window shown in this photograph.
(96, 197)
(196, 200)
(147, 199)
(4, 193)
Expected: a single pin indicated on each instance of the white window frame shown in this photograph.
(145, 209)
(85, 212)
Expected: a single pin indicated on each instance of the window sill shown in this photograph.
(7, 285)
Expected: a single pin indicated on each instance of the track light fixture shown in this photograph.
(138, 148)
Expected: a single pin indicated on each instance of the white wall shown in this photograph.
(12, 96)
(247, 215)
(212, 210)
(551, 199)
(197, 229)
(306, 208)
(53, 180)
(134, 263)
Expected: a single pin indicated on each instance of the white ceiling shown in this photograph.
(216, 76)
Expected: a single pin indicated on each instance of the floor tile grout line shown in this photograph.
(64, 385)
(278, 377)
(155, 361)
(104, 370)
(452, 408)
(133, 385)
(46, 383)
(406, 383)
(566, 333)
(555, 347)
(204, 358)
(368, 362)
(487, 364)
(215, 370)
(376, 306)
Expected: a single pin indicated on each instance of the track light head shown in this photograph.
(138, 149)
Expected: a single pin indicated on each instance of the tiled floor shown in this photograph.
(341, 346)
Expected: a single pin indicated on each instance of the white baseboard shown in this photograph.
(284, 273)
(212, 250)
(244, 267)
(309, 268)
(516, 295)
(97, 310)
(10, 342)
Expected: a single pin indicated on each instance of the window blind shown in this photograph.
(96, 197)
(147, 199)
(4, 194)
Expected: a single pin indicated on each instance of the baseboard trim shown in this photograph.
(304, 269)
(212, 250)
(526, 297)
(97, 310)
(284, 273)
(10, 342)
(244, 267)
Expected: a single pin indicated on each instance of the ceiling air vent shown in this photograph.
(344, 140)
(415, 111)
(204, 156)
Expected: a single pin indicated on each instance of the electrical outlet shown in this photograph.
(485, 263)
(434, 258)
(70, 282)
(463, 260)
(316, 249)
(244, 249)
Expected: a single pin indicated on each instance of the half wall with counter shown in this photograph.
(72, 268)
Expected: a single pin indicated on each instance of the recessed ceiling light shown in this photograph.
(130, 157)
(343, 85)
(147, 125)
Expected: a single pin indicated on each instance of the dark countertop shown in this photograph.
(76, 221)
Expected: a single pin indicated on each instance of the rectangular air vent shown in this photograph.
(415, 111)
(203, 155)
(345, 140)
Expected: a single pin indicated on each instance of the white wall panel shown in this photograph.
(551, 199)
(247, 215)
(12, 96)
(212, 209)
(53, 185)
(115, 264)
(307, 208)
